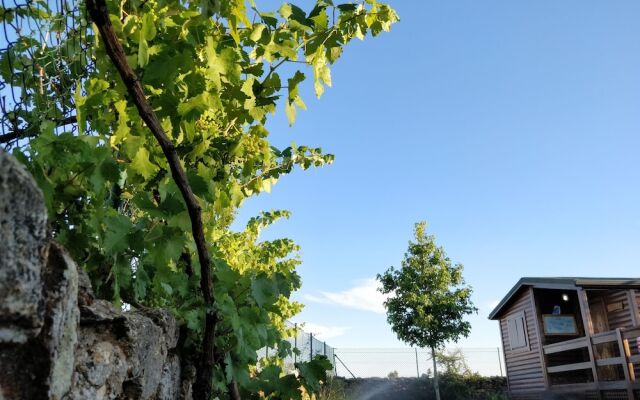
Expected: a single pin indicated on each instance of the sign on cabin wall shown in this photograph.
(563, 324)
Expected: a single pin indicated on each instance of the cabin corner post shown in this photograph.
(539, 333)
(588, 332)
(627, 367)
(504, 354)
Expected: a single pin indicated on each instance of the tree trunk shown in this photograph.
(435, 373)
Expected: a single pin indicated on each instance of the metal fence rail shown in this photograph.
(412, 362)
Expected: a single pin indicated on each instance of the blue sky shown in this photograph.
(511, 127)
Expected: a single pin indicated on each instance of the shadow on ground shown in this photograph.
(451, 388)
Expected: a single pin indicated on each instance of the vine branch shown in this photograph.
(30, 132)
(100, 16)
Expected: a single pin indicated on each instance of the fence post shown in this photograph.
(344, 365)
(335, 366)
(500, 361)
(295, 344)
(310, 346)
(417, 365)
(324, 348)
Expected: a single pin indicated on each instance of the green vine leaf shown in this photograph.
(213, 72)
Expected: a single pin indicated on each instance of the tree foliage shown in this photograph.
(213, 71)
(428, 295)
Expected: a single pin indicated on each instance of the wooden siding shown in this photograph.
(620, 318)
(524, 369)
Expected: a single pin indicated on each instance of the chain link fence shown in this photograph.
(390, 362)
(305, 347)
(413, 362)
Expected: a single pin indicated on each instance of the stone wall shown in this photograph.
(57, 341)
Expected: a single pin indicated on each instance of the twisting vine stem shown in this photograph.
(100, 16)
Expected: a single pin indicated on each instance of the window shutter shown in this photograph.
(522, 337)
(511, 327)
(517, 331)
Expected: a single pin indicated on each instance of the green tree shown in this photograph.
(428, 297)
(145, 130)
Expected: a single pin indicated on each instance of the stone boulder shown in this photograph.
(126, 355)
(57, 341)
(60, 332)
(23, 244)
(43, 366)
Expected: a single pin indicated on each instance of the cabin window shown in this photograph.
(517, 329)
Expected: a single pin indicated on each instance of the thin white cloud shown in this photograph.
(492, 304)
(323, 331)
(363, 296)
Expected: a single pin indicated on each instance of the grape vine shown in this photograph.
(149, 215)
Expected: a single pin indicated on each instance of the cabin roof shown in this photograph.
(562, 283)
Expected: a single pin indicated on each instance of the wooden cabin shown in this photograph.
(574, 338)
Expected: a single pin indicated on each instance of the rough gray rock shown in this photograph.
(124, 355)
(43, 366)
(101, 366)
(23, 231)
(146, 349)
(99, 312)
(169, 386)
(57, 341)
(60, 333)
(85, 291)
(165, 320)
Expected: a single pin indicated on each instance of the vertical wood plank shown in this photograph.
(588, 332)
